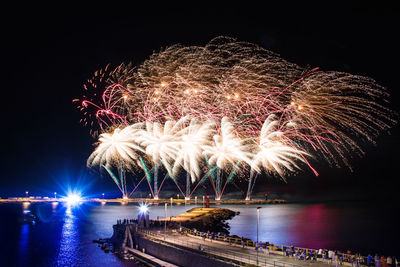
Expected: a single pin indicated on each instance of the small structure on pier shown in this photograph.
(143, 219)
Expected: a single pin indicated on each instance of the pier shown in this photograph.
(186, 247)
(169, 241)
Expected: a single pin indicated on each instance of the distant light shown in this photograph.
(73, 199)
(163, 84)
(25, 205)
(143, 209)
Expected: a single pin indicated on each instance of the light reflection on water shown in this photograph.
(63, 237)
(23, 246)
(69, 242)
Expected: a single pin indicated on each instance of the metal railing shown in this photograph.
(295, 252)
(218, 253)
(275, 249)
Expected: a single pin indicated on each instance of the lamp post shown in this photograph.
(55, 195)
(102, 195)
(258, 223)
(165, 221)
(26, 193)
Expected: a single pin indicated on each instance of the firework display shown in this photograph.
(229, 107)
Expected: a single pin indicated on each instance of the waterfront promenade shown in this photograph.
(230, 253)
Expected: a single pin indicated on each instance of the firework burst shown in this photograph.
(330, 114)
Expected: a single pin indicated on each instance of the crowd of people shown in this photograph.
(329, 256)
(339, 258)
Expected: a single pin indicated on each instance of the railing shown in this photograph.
(214, 252)
(283, 250)
(295, 252)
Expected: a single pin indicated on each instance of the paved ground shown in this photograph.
(247, 255)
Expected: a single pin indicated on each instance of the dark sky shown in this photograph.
(48, 54)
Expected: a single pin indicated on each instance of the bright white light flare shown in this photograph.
(143, 209)
(73, 199)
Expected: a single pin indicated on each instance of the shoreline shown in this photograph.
(147, 200)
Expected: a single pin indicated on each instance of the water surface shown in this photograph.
(63, 237)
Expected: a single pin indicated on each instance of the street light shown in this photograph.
(258, 222)
(171, 206)
(55, 195)
(165, 220)
(102, 195)
(26, 193)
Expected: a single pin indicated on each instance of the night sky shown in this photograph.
(48, 55)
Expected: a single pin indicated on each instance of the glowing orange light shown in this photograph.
(292, 103)
(163, 84)
(300, 107)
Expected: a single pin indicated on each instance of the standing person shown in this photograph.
(320, 253)
(297, 254)
(352, 259)
(266, 251)
(330, 255)
(389, 261)
(369, 260)
(336, 260)
(381, 260)
(377, 263)
(342, 258)
(384, 263)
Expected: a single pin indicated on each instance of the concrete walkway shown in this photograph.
(150, 259)
(235, 253)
